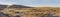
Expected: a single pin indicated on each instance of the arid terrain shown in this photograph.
(32, 12)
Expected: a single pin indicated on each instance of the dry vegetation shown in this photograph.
(32, 12)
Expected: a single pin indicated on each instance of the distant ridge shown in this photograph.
(2, 6)
(19, 6)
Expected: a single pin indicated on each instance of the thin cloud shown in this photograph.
(32, 2)
(7, 3)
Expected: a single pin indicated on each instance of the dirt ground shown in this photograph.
(32, 12)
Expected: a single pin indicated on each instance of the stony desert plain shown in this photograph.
(31, 12)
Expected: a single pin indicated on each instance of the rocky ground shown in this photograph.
(33, 12)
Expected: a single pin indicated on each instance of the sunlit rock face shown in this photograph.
(32, 12)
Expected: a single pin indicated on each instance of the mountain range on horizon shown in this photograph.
(13, 6)
(19, 6)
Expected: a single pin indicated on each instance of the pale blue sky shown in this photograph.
(32, 2)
